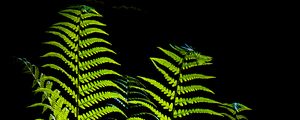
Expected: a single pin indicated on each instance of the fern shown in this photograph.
(177, 86)
(87, 84)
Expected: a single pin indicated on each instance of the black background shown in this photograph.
(246, 40)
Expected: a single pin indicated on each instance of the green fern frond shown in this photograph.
(86, 23)
(86, 65)
(188, 65)
(58, 68)
(162, 102)
(87, 77)
(72, 26)
(243, 107)
(189, 77)
(70, 16)
(184, 112)
(165, 63)
(155, 111)
(179, 49)
(42, 105)
(73, 11)
(98, 97)
(70, 43)
(100, 112)
(93, 86)
(172, 55)
(71, 54)
(89, 15)
(192, 88)
(135, 118)
(87, 42)
(161, 87)
(68, 32)
(65, 60)
(88, 31)
(89, 52)
(185, 101)
(170, 80)
(63, 85)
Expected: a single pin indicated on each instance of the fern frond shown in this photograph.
(135, 118)
(162, 102)
(179, 49)
(185, 101)
(68, 32)
(70, 43)
(83, 78)
(88, 31)
(172, 55)
(70, 16)
(87, 42)
(73, 11)
(72, 26)
(96, 85)
(188, 65)
(156, 112)
(161, 87)
(86, 65)
(170, 80)
(42, 105)
(89, 52)
(58, 68)
(243, 107)
(100, 112)
(184, 112)
(71, 54)
(62, 58)
(192, 88)
(165, 63)
(98, 97)
(145, 114)
(144, 100)
(63, 85)
(189, 77)
(231, 110)
(86, 23)
(89, 15)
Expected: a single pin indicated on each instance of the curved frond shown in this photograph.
(97, 97)
(89, 41)
(58, 68)
(96, 85)
(70, 16)
(64, 59)
(165, 63)
(86, 23)
(135, 118)
(155, 111)
(192, 88)
(189, 77)
(63, 85)
(88, 31)
(172, 55)
(229, 116)
(162, 102)
(71, 54)
(68, 32)
(161, 87)
(86, 65)
(185, 101)
(72, 26)
(241, 117)
(89, 52)
(89, 76)
(100, 112)
(69, 42)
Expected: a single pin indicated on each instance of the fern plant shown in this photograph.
(79, 80)
(176, 85)
(89, 91)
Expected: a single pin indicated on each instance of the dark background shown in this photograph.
(242, 37)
